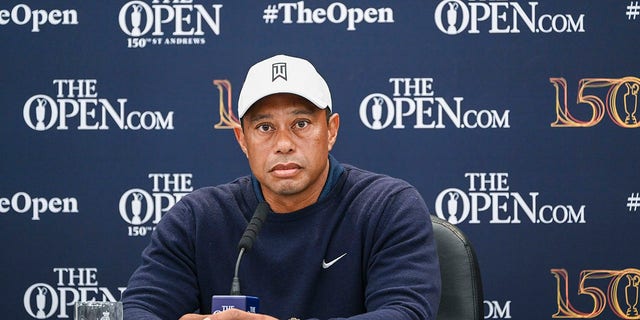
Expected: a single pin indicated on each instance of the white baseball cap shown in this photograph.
(283, 74)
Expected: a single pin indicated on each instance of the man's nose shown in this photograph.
(284, 142)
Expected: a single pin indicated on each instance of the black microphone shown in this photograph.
(251, 304)
(247, 240)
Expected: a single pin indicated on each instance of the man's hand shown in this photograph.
(231, 314)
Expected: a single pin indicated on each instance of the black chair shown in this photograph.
(461, 297)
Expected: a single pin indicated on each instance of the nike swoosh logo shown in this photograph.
(326, 265)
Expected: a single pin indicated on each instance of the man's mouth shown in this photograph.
(285, 170)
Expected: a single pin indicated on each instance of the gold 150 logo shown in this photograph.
(228, 119)
(622, 288)
(622, 113)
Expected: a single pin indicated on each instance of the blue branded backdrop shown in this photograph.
(516, 120)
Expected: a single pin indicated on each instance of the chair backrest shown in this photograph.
(461, 297)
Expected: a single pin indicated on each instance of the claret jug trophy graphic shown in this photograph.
(631, 294)
(631, 103)
(136, 18)
(452, 17)
(452, 207)
(40, 302)
(136, 208)
(376, 110)
(40, 110)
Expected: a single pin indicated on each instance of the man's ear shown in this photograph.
(239, 133)
(333, 126)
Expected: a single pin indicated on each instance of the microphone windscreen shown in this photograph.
(251, 232)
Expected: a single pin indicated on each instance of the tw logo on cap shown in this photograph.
(279, 70)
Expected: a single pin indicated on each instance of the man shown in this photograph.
(339, 242)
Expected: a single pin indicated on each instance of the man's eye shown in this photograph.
(264, 127)
(301, 124)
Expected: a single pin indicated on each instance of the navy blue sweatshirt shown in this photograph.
(378, 225)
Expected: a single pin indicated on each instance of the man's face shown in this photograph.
(287, 141)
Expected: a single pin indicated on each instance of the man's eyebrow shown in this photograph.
(263, 116)
(304, 111)
(259, 117)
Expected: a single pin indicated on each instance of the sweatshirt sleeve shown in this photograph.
(403, 277)
(164, 286)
